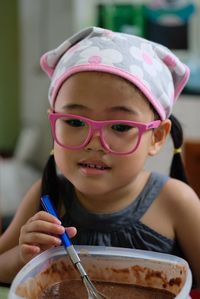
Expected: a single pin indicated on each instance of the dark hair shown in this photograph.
(177, 169)
(50, 181)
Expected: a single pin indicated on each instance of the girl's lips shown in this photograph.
(94, 165)
(93, 168)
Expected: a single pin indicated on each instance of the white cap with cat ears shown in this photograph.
(153, 68)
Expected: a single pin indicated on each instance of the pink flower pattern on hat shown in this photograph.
(171, 60)
(140, 74)
(64, 60)
(105, 56)
(147, 57)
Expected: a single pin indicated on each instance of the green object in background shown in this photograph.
(4, 292)
(9, 77)
(128, 18)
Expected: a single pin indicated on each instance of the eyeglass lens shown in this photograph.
(118, 137)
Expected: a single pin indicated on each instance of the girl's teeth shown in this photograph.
(93, 166)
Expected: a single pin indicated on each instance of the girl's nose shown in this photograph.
(95, 142)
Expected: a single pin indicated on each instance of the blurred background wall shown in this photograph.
(10, 114)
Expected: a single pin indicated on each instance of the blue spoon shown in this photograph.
(91, 289)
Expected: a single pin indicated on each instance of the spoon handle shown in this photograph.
(49, 207)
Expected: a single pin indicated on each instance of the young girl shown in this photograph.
(111, 98)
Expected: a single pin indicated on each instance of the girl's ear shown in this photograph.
(159, 137)
(50, 110)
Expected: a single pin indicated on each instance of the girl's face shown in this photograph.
(100, 96)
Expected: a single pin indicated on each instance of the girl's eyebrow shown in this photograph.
(110, 109)
(74, 106)
(122, 109)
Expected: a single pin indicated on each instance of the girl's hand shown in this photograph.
(40, 233)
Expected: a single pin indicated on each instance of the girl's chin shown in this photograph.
(92, 188)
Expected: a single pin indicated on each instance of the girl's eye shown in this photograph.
(74, 122)
(121, 128)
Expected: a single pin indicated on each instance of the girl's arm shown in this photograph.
(185, 208)
(9, 250)
(10, 264)
(30, 233)
(27, 208)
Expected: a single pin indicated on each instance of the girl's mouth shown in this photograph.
(93, 168)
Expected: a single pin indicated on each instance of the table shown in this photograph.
(195, 294)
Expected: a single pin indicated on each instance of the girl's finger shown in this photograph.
(40, 239)
(30, 249)
(71, 231)
(43, 226)
(28, 252)
(42, 215)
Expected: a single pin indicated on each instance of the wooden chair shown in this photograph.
(192, 163)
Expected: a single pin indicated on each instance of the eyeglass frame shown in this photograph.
(97, 125)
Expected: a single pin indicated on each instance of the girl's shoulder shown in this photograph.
(176, 199)
(180, 198)
(179, 191)
(29, 205)
(184, 206)
(32, 197)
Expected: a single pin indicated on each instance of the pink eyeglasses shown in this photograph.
(119, 137)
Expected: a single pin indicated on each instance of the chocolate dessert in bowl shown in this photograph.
(118, 273)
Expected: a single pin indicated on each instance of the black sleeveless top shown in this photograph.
(119, 229)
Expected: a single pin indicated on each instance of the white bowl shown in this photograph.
(118, 265)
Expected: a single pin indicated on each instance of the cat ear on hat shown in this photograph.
(50, 59)
(179, 71)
